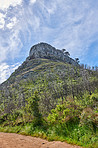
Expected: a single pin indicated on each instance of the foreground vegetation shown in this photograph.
(74, 120)
(53, 100)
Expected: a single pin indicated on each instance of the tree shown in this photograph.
(34, 106)
(77, 60)
(67, 53)
(63, 50)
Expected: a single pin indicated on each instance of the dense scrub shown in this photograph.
(53, 100)
(52, 79)
(74, 120)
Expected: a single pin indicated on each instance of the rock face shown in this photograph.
(44, 50)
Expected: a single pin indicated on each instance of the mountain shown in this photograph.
(51, 96)
(36, 55)
(52, 73)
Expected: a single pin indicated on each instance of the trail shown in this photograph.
(11, 140)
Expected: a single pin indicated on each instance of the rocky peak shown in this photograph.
(44, 50)
(41, 50)
(42, 46)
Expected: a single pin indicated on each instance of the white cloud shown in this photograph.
(2, 22)
(6, 70)
(4, 4)
(75, 26)
(12, 23)
(32, 1)
(17, 20)
(10, 45)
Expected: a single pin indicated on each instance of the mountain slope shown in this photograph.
(52, 76)
(50, 95)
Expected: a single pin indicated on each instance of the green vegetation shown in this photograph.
(53, 100)
(74, 121)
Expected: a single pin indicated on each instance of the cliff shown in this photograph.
(44, 50)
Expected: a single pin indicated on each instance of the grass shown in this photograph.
(78, 136)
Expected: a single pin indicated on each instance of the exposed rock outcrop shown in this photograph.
(44, 50)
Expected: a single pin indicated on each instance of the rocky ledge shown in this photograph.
(44, 50)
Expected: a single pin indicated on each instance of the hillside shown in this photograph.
(50, 85)
(53, 77)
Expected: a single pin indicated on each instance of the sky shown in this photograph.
(64, 24)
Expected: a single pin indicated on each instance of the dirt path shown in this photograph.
(11, 140)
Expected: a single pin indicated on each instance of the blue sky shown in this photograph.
(68, 24)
